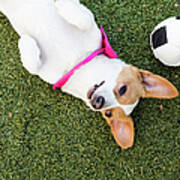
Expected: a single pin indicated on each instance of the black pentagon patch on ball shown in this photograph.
(178, 17)
(159, 37)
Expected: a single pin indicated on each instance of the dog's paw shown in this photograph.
(30, 54)
(75, 14)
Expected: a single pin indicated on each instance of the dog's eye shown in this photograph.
(108, 114)
(123, 90)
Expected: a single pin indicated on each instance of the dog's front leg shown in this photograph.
(75, 13)
(30, 54)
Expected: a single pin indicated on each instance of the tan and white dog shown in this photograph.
(55, 35)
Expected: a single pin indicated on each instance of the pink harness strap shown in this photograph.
(106, 49)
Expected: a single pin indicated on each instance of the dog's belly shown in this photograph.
(61, 53)
(62, 45)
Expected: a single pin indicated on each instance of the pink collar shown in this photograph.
(106, 49)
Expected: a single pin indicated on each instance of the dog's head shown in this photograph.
(131, 84)
(128, 87)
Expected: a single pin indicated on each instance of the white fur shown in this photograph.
(55, 35)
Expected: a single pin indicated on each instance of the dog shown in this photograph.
(56, 35)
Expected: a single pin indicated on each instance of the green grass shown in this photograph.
(45, 134)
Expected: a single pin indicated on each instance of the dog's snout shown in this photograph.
(98, 102)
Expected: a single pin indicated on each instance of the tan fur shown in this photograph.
(131, 77)
(157, 86)
(144, 84)
(122, 127)
(139, 84)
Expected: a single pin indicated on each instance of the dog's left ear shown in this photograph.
(122, 126)
(156, 86)
(123, 132)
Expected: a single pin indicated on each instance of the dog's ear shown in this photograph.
(122, 127)
(123, 132)
(156, 86)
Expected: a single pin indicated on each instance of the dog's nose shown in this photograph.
(98, 102)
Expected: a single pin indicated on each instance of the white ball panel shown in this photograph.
(168, 54)
(173, 33)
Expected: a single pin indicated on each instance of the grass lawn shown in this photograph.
(46, 134)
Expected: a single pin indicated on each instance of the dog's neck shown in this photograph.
(101, 68)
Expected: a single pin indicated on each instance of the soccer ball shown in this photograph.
(165, 41)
